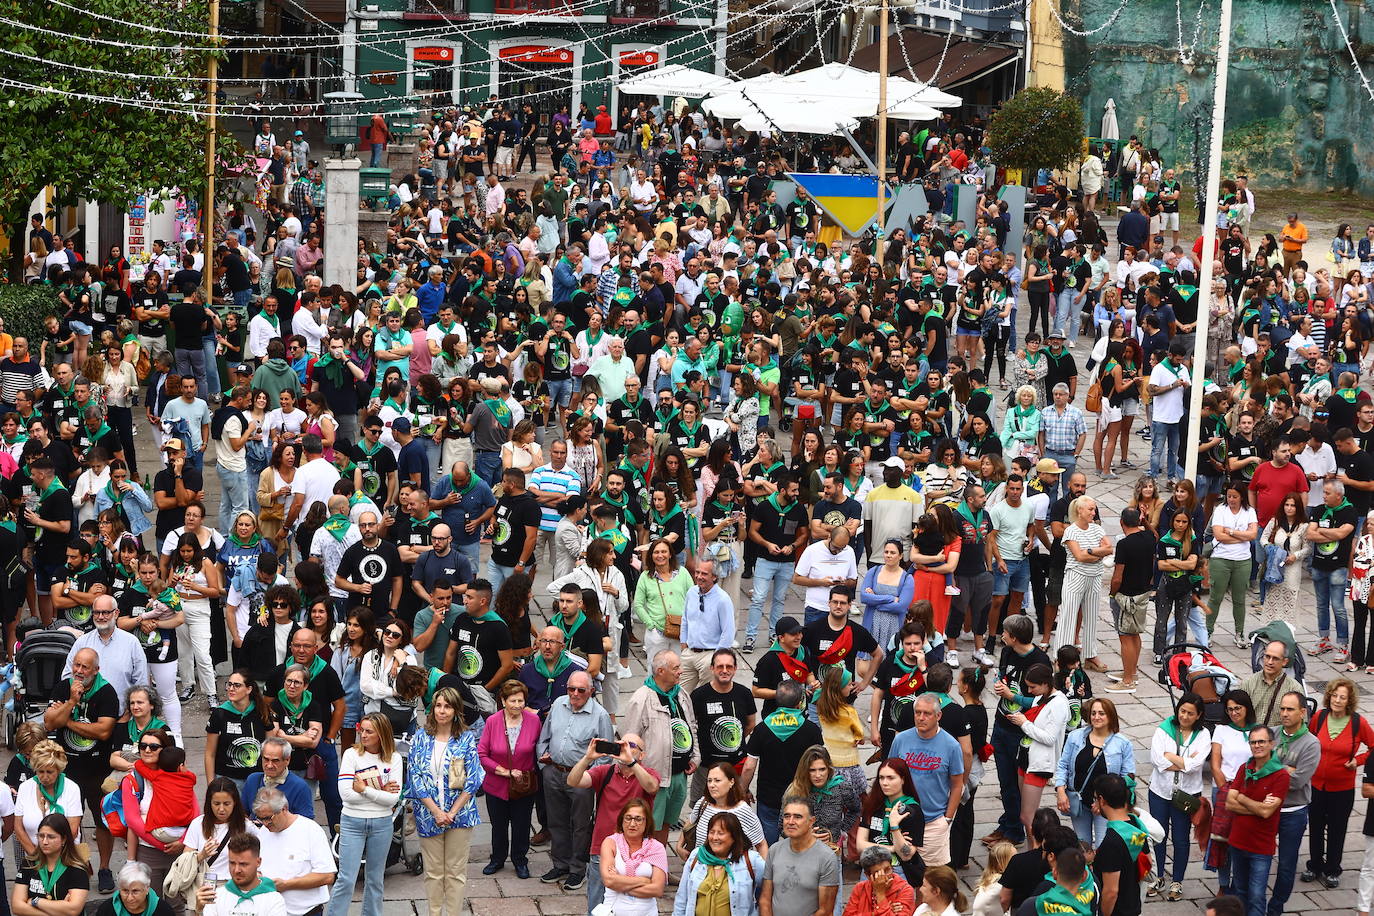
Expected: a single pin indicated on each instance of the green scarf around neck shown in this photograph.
(292, 709)
(558, 668)
(710, 860)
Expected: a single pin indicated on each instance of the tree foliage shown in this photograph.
(1036, 128)
(88, 148)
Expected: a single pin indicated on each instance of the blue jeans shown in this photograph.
(596, 891)
(771, 820)
(433, 451)
(496, 575)
(234, 494)
(1088, 825)
(208, 346)
(488, 467)
(361, 837)
(1292, 827)
(329, 786)
(813, 614)
(1249, 879)
(774, 575)
(1068, 463)
(560, 394)
(1164, 450)
(1329, 584)
(1178, 828)
(242, 298)
(377, 151)
(473, 552)
(1197, 627)
(191, 364)
(1066, 313)
(1006, 746)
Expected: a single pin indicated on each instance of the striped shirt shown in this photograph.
(547, 480)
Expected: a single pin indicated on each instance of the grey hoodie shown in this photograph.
(275, 376)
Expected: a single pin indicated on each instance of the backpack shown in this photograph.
(112, 806)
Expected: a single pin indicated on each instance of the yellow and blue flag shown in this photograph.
(850, 200)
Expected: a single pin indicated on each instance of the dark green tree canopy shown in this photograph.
(1036, 128)
(101, 127)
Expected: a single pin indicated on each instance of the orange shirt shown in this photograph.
(1294, 236)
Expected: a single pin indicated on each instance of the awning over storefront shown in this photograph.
(964, 61)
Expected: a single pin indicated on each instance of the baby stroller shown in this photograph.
(38, 661)
(403, 835)
(1191, 667)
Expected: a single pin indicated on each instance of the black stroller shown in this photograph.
(38, 662)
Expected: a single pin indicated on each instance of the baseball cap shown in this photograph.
(400, 425)
(786, 626)
(242, 368)
(174, 445)
(1048, 466)
(895, 462)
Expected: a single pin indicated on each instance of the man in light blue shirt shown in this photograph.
(688, 360)
(936, 761)
(574, 721)
(196, 414)
(708, 624)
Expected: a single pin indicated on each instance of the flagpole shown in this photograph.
(882, 128)
(1206, 270)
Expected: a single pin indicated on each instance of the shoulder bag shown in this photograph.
(672, 623)
(1186, 802)
(522, 785)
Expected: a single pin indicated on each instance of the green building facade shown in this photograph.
(547, 52)
(1297, 114)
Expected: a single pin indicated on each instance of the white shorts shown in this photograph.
(936, 849)
(1108, 415)
(1131, 408)
(505, 155)
(1168, 221)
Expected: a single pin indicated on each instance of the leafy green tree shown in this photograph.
(1036, 128)
(69, 135)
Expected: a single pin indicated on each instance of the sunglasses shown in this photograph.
(149, 746)
(281, 604)
(394, 634)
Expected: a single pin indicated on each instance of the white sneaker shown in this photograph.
(623, 671)
(951, 589)
(952, 658)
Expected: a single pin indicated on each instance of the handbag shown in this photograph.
(1186, 802)
(522, 785)
(1093, 402)
(314, 767)
(672, 623)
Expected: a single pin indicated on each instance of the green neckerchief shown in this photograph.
(333, 369)
(690, 430)
(1328, 511)
(151, 907)
(635, 472)
(593, 341)
(773, 501)
(974, 520)
(153, 723)
(394, 406)
(54, 807)
(253, 541)
(115, 495)
(1286, 739)
(49, 879)
(374, 449)
(49, 490)
(559, 667)
(1272, 765)
(19, 438)
(1348, 394)
(570, 630)
(912, 806)
(1168, 538)
(1033, 359)
(229, 707)
(662, 519)
(273, 320)
(670, 694)
(833, 783)
(624, 499)
(1020, 411)
(489, 617)
(292, 709)
(1170, 726)
(1243, 729)
(1132, 833)
(337, 525)
(500, 410)
(1060, 901)
(710, 860)
(265, 886)
(663, 419)
(783, 722)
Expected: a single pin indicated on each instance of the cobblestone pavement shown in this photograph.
(1141, 713)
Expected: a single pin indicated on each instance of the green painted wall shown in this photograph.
(1297, 115)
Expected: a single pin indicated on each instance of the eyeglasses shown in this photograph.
(634, 819)
(239, 685)
(1273, 658)
(149, 745)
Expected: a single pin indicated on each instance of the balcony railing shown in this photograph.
(547, 7)
(629, 11)
(436, 9)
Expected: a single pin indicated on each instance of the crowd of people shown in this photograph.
(658, 400)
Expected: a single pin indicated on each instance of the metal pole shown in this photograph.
(882, 128)
(212, 74)
(1209, 234)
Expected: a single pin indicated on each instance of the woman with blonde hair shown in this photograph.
(837, 800)
(369, 784)
(443, 777)
(987, 893)
(44, 794)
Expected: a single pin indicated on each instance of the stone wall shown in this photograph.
(1297, 115)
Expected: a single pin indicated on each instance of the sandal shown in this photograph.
(1351, 666)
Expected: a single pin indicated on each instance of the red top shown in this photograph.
(1250, 832)
(613, 789)
(1332, 774)
(1270, 485)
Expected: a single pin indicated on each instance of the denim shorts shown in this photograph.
(80, 327)
(1015, 579)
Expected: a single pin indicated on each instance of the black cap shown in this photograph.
(572, 504)
(787, 626)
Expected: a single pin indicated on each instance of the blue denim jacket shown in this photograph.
(744, 886)
(137, 505)
(1120, 757)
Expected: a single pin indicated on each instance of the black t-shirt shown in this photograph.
(188, 322)
(1135, 554)
(1012, 668)
(1062, 368)
(514, 514)
(832, 647)
(378, 566)
(1335, 554)
(1240, 448)
(1023, 874)
(377, 468)
(1359, 466)
(1368, 780)
(298, 723)
(935, 324)
(154, 327)
(168, 520)
(239, 749)
(56, 506)
(479, 643)
(900, 687)
(641, 343)
(1114, 856)
(72, 879)
(409, 531)
(769, 673)
(96, 705)
(722, 719)
(779, 758)
(160, 645)
(778, 525)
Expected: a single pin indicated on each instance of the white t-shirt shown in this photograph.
(1167, 407)
(1040, 508)
(28, 812)
(315, 480)
(195, 840)
(1321, 462)
(1224, 517)
(210, 549)
(225, 455)
(1089, 538)
(818, 563)
(300, 849)
(279, 421)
